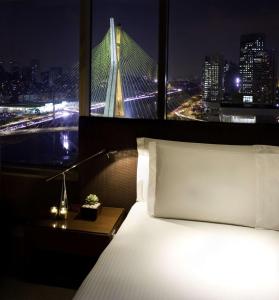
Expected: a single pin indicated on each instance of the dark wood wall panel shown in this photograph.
(114, 179)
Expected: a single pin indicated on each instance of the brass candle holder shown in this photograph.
(53, 212)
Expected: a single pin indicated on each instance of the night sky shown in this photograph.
(49, 30)
(39, 29)
(199, 28)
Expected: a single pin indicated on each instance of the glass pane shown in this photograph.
(39, 57)
(124, 58)
(223, 61)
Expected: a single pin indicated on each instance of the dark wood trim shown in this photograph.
(117, 133)
(163, 58)
(85, 57)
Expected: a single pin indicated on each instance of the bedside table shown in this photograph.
(59, 248)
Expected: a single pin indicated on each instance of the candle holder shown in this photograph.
(63, 207)
(63, 212)
(54, 225)
(64, 226)
(53, 212)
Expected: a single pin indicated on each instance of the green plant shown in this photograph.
(91, 199)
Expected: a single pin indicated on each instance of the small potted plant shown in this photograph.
(91, 207)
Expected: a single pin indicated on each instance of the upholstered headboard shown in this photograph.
(114, 179)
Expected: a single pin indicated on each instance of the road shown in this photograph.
(192, 109)
(40, 122)
(31, 123)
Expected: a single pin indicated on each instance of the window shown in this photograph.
(223, 61)
(39, 58)
(124, 58)
(222, 67)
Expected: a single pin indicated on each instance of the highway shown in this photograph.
(40, 122)
(64, 118)
(192, 109)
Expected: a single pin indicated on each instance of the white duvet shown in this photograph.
(152, 258)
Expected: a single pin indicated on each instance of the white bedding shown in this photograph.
(152, 258)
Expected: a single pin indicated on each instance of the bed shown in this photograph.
(205, 226)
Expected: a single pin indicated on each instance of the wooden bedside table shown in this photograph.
(69, 246)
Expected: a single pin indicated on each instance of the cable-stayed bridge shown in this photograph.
(123, 84)
(123, 78)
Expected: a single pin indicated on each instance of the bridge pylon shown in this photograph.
(114, 106)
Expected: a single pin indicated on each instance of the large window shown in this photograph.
(222, 67)
(39, 58)
(124, 58)
(223, 61)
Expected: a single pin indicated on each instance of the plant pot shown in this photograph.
(90, 213)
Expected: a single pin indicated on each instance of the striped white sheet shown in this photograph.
(152, 258)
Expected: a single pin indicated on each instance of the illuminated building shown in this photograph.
(213, 74)
(257, 70)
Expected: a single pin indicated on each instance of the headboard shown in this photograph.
(114, 179)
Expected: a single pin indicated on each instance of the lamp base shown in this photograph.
(89, 213)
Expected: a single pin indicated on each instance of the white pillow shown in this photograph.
(265, 169)
(143, 160)
(267, 162)
(267, 149)
(215, 183)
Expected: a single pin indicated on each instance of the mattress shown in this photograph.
(152, 258)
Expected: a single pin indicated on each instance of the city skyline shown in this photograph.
(201, 27)
(6, 63)
(195, 29)
(45, 30)
(38, 80)
(254, 76)
(44, 76)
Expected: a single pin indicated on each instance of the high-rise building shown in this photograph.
(35, 70)
(265, 77)
(213, 78)
(257, 70)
